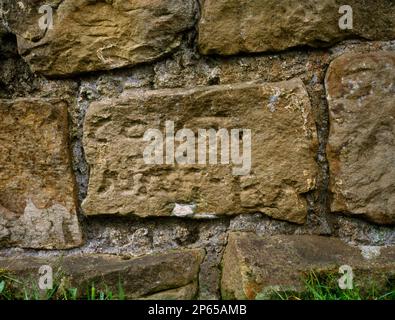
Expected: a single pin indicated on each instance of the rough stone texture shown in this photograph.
(278, 114)
(361, 149)
(98, 35)
(253, 264)
(187, 292)
(167, 275)
(231, 26)
(37, 195)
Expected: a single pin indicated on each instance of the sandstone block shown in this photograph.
(37, 191)
(229, 27)
(252, 265)
(97, 35)
(283, 140)
(361, 150)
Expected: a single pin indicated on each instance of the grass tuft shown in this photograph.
(325, 287)
(14, 289)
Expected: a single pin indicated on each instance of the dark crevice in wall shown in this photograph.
(323, 194)
(16, 78)
(80, 166)
(319, 200)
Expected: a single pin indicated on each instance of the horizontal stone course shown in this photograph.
(169, 275)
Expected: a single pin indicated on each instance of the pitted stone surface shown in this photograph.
(278, 114)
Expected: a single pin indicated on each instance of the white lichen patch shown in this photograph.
(184, 210)
(370, 252)
(205, 216)
(48, 228)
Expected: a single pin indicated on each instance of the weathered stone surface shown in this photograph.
(165, 275)
(361, 150)
(253, 264)
(278, 114)
(232, 26)
(98, 35)
(187, 292)
(37, 195)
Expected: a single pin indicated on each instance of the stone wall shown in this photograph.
(77, 97)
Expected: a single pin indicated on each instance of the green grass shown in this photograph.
(12, 288)
(316, 287)
(325, 287)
